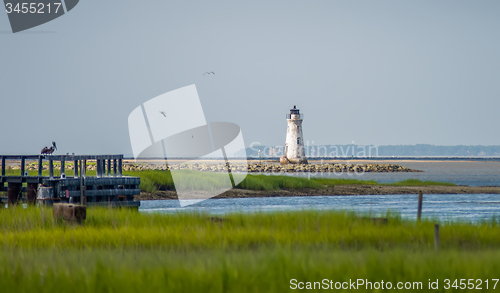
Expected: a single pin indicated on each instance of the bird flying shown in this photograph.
(163, 113)
(211, 72)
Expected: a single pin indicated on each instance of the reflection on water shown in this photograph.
(468, 207)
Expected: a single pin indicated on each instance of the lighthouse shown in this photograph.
(294, 146)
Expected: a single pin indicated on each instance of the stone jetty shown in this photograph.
(250, 168)
(274, 168)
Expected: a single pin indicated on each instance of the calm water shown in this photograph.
(468, 207)
(471, 173)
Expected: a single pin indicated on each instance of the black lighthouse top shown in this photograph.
(294, 110)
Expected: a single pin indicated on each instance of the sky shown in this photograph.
(369, 72)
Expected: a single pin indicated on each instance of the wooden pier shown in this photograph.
(107, 187)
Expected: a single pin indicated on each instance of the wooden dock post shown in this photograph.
(109, 168)
(31, 193)
(436, 236)
(51, 168)
(3, 166)
(75, 168)
(84, 175)
(23, 165)
(63, 165)
(420, 199)
(99, 168)
(120, 167)
(13, 192)
(82, 186)
(40, 166)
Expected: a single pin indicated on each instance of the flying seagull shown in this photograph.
(163, 113)
(49, 151)
(211, 72)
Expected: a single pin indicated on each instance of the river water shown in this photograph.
(471, 173)
(463, 207)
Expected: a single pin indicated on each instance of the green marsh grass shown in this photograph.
(344, 181)
(261, 270)
(271, 182)
(154, 180)
(35, 228)
(126, 251)
(416, 182)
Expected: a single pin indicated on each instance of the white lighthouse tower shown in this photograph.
(294, 146)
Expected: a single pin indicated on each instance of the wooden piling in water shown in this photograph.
(31, 193)
(13, 192)
(419, 212)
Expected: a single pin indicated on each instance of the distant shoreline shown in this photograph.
(314, 161)
(338, 190)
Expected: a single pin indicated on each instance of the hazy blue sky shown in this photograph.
(372, 72)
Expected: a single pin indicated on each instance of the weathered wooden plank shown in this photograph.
(60, 157)
(96, 181)
(105, 192)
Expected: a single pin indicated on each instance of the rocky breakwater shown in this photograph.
(274, 168)
(337, 168)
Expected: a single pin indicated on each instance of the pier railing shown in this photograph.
(113, 163)
(107, 186)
